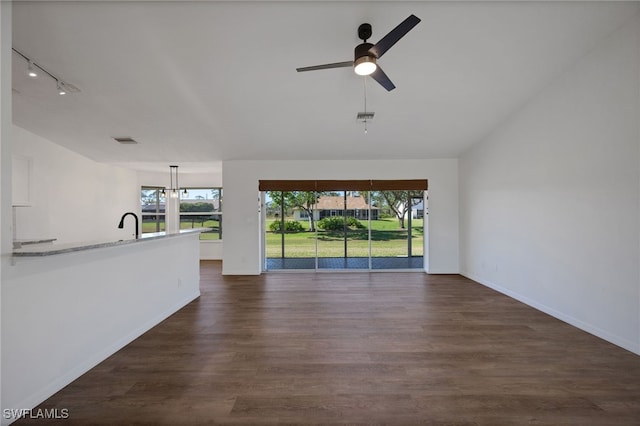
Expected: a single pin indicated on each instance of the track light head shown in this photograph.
(34, 69)
(31, 71)
(61, 89)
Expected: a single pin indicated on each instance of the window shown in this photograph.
(383, 226)
(153, 209)
(202, 208)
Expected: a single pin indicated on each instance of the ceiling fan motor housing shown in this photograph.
(363, 50)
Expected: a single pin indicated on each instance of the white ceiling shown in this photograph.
(200, 82)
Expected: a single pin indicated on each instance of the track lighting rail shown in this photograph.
(62, 87)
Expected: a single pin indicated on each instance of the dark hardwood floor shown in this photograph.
(357, 348)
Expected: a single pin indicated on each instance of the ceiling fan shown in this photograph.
(367, 54)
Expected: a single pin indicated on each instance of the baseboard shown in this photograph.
(70, 376)
(243, 272)
(589, 328)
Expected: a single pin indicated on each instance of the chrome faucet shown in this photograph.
(121, 224)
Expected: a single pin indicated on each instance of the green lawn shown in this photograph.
(151, 227)
(387, 239)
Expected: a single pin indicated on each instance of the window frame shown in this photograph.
(216, 212)
(160, 216)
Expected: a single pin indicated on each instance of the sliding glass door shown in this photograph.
(337, 229)
(290, 236)
(343, 238)
(396, 237)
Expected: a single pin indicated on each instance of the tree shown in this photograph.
(199, 207)
(196, 207)
(216, 194)
(304, 200)
(149, 196)
(398, 202)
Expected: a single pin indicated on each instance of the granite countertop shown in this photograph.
(48, 247)
(19, 243)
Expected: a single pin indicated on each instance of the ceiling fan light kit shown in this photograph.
(366, 55)
(365, 65)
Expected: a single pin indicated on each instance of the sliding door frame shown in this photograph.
(317, 186)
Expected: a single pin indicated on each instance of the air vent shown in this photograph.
(365, 116)
(126, 140)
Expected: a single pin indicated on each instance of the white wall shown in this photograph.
(242, 234)
(73, 198)
(5, 143)
(192, 180)
(211, 249)
(549, 203)
(63, 314)
(5, 127)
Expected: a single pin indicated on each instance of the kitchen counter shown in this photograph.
(68, 307)
(48, 248)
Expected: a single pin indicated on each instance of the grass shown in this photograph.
(387, 240)
(213, 224)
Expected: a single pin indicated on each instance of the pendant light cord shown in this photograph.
(365, 105)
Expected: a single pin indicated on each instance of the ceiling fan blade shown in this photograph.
(394, 35)
(379, 76)
(326, 66)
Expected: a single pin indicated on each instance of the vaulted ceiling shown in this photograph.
(201, 82)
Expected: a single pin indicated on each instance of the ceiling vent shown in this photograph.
(365, 116)
(126, 140)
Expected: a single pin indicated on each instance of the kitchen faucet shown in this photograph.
(121, 224)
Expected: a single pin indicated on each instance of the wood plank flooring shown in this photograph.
(357, 348)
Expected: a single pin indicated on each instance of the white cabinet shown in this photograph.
(21, 181)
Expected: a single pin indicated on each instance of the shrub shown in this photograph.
(336, 223)
(289, 226)
(356, 223)
(330, 223)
